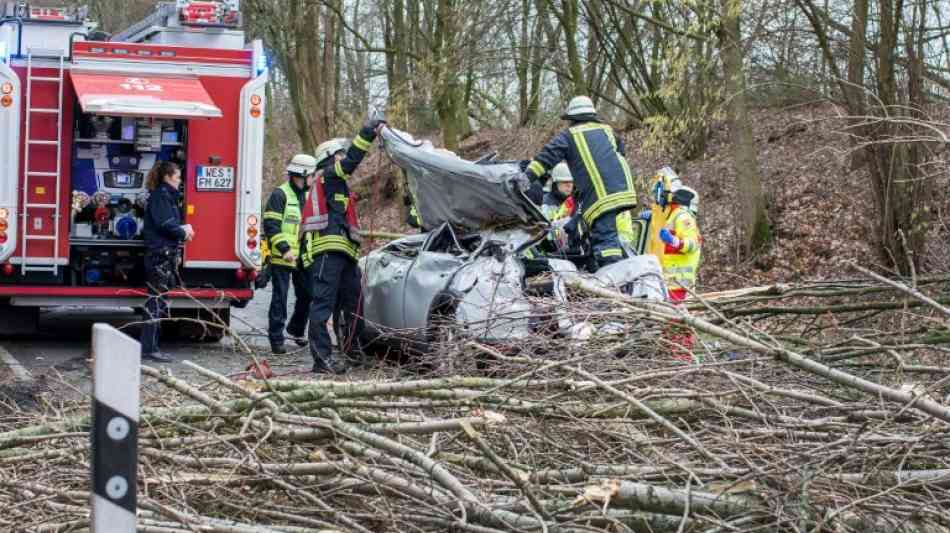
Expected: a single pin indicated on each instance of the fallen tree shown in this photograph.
(774, 431)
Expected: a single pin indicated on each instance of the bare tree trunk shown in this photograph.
(449, 92)
(752, 204)
(538, 47)
(567, 20)
(889, 148)
(900, 193)
(524, 60)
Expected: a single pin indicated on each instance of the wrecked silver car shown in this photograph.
(472, 268)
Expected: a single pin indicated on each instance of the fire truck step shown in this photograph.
(28, 268)
(40, 237)
(42, 174)
(48, 111)
(45, 78)
(43, 143)
(41, 206)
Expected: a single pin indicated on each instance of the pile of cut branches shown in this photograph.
(812, 408)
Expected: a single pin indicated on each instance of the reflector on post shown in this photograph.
(115, 419)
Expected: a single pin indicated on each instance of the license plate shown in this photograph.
(123, 180)
(215, 179)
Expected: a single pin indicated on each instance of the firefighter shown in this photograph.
(558, 202)
(602, 178)
(412, 219)
(681, 256)
(283, 216)
(164, 234)
(559, 208)
(332, 249)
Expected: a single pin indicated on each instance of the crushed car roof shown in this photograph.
(447, 188)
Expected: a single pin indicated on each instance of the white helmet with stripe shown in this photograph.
(330, 148)
(302, 165)
(561, 174)
(578, 107)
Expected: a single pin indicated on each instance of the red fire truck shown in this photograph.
(84, 116)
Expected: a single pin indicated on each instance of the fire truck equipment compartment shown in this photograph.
(145, 96)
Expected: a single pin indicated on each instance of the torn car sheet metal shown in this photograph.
(446, 188)
(640, 276)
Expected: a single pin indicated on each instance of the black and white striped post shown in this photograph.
(115, 419)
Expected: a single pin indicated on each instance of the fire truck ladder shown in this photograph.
(54, 207)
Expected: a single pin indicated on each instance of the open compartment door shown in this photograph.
(145, 96)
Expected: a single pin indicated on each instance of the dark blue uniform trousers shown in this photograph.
(605, 241)
(336, 292)
(281, 278)
(161, 275)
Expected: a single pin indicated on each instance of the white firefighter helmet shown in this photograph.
(579, 106)
(329, 148)
(687, 197)
(561, 174)
(302, 165)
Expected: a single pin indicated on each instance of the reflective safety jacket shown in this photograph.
(282, 217)
(556, 206)
(632, 232)
(602, 179)
(680, 265)
(339, 235)
(413, 218)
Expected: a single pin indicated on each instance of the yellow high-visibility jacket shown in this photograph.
(680, 266)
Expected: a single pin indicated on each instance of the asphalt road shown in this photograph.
(61, 352)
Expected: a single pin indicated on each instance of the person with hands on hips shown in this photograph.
(282, 221)
(164, 234)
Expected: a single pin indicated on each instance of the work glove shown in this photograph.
(523, 182)
(671, 240)
(646, 214)
(375, 121)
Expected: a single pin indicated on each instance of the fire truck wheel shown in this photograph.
(199, 325)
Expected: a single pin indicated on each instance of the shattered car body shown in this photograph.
(448, 189)
(470, 270)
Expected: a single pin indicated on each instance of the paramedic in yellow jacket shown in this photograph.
(680, 260)
(683, 243)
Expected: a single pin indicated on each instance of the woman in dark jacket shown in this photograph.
(164, 234)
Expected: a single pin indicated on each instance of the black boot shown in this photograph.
(329, 366)
(300, 338)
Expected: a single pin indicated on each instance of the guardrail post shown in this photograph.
(115, 416)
